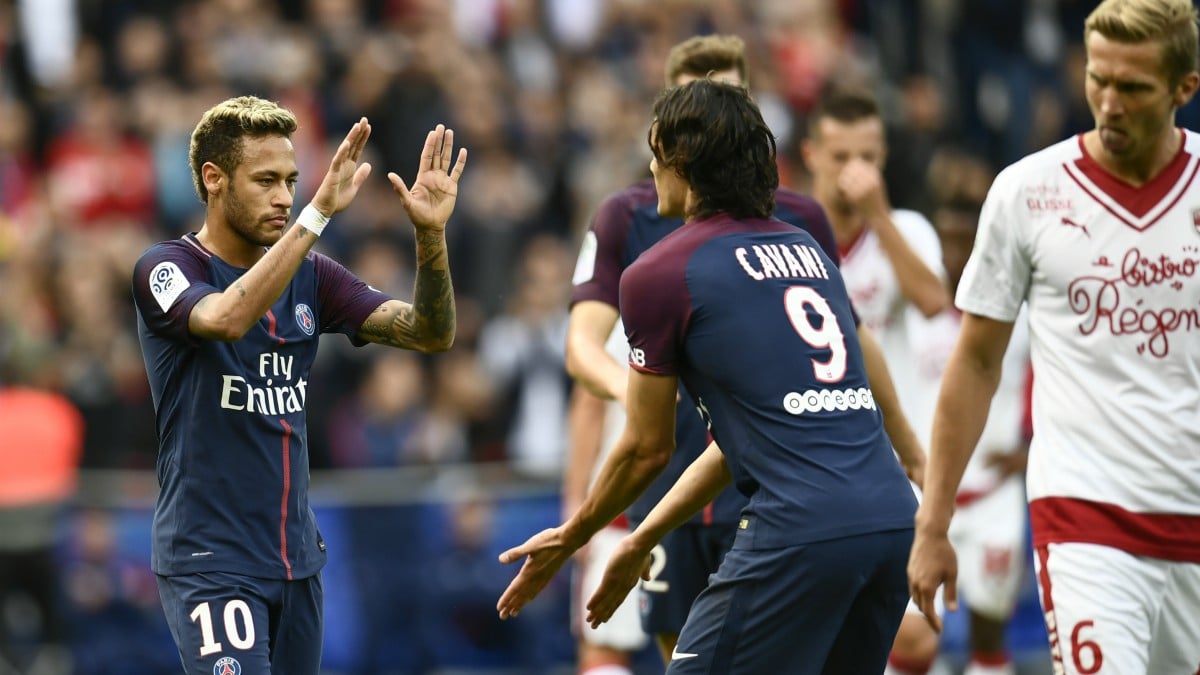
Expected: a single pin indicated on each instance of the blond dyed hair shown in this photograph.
(1170, 22)
(701, 55)
(218, 136)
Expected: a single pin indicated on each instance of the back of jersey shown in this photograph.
(755, 319)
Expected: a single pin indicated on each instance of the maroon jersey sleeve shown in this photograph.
(600, 264)
(346, 301)
(655, 308)
(168, 280)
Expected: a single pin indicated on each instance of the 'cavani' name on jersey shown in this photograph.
(777, 261)
(272, 399)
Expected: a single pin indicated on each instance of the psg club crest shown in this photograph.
(305, 319)
(227, 665)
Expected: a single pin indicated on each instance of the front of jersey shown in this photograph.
(1110, 275)
(755, 320)
(233, 443)
(626, 225)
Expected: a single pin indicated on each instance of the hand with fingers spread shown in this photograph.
(547, 552)
(629, 562)
(431, 200)
(931, 564)
(345, 176)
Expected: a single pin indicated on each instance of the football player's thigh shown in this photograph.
(300, 628)
(1175, 647)
(219, 621)
(1099, 604)
(679, 570)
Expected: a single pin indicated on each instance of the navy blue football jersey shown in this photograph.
(755, 320)
(232, 436)
(626, 225)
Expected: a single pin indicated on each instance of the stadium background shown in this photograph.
(424, 468)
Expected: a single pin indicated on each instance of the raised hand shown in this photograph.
(546, 555)
(627, 564)
(431, 200)
(345, 176)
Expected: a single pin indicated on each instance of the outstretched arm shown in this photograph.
(968, 384)
(639, 456)
(427, 324)
(700, 483)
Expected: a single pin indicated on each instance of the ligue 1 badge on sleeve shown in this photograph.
(227, 665)
(305, 319)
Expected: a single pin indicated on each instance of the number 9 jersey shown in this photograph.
(755, 320)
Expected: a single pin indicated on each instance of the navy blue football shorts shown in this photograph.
(829, 607)
(232, 624)
(680, 567)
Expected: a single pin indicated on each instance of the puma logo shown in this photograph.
(1070, 223)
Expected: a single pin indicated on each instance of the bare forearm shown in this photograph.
(625, 476)
(585, 421)
(593, 367)
(919, 284)
(228, 315)
(434, 314)
(700, 483)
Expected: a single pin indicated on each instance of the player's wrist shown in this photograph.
(932, 521)
(313, 219)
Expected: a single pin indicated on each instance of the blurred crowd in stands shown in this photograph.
(98, 98)
(552, 97)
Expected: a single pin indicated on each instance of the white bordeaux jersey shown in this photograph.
(1110, 273)
(896, 323)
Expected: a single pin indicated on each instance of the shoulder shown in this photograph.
(629, 200)
(169, 257)
(791, 202)
(1034, 167)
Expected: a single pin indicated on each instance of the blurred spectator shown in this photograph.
(41, 440)
(522, 349)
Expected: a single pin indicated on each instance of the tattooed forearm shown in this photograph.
(240, 289)
(428, 324)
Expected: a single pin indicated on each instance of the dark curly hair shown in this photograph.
(713, 135)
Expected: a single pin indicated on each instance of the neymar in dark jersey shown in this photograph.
(229, 319)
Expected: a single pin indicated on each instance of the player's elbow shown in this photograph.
(933, 303)
(653, 454)
(437, 345)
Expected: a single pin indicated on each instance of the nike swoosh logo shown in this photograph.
(676, 655)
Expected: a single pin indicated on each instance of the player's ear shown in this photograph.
(213, 177)
(1186, 89)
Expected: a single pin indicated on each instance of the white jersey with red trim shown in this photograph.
(895, 322)
(1004, 430)
(1110, 273)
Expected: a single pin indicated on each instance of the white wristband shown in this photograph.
(312, 220)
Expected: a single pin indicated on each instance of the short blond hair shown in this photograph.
(1170, 22)
(218, 136)
(698, 56)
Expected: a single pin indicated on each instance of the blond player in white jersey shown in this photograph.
(595, 424)
(892, 266)
(1099, 235)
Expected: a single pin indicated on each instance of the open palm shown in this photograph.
(430, 201)
(345, 175)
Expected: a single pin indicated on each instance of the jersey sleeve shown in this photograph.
(599, 265)
(168, 281)
(655, 309)
(345, 300)
(997, 274)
